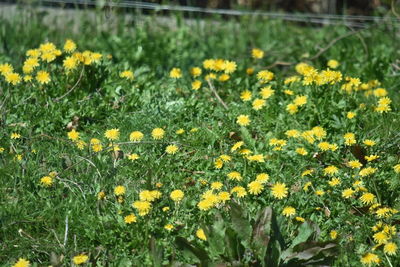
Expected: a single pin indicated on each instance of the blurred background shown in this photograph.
(310, 6)
(348, 7)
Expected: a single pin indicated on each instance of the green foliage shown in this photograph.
(259, 243)
(51, 225)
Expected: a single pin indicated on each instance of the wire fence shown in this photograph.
(357, 21)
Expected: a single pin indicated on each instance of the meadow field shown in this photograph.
(131, 140)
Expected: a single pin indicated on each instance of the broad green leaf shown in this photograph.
(240, 223)
(199, 253)
(262, 232)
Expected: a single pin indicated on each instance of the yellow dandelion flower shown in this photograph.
(262, 177)
(70, 63)
(300, 100)
(46, 181)
(175, 73)
(119, 190)
(136, 136)
(288, 92)
(333, 234)
(201, 235)
(131, 218)
(307, 172)
(133, 156)
(265, 76)
(390, 248)
(224, 196)
(22, 263)
(292, 108)
(69, 46)
(180, 131)
(334, 182)
(243, 120)
(157, 133)
(371, 157)
(331, 170)
(12, 78)
(255, 187)
(367, 198)
(165, 209)
(229, 66)
(223, 77)
(256, 157)
(73, 135)
(235, 176)
(292, 133)
(354, 164)
(333, 64)
(250, 71)
(143, 207)
(6, 68)
(237, 145)
(216, 185)
(367, 171)
(350, 115)
(195, 72)
(369, 142)
(15, 136)
(127, 74)
(196, 85)
(168, 227)
(246, 95)
(288, 211)
(257, 53)
(279, 190)
(258, 104)
(306, 186)
(348, 193)
(349, 138)
(171, 149)
(101, 195)
(301, 151)
(43, 77)
(218, 163)
(177, 195)
(112, 134)
(239, 191)
(80, 259)
(396, 168)
(370, 258)
(319, 132)
(266, 92)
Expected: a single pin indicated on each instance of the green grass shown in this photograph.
(33, 217)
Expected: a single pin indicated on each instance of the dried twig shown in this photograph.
(216, 94)
(334, 41)
(66, 231)
(91, 163)
(72, 88)
(393, 3)
(282, 63)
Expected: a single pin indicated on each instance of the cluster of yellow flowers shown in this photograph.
(345, 178)
(35, 66)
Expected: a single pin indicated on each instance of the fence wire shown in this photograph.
(357, 21)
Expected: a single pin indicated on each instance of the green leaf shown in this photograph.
(305, 231)
(311, 253)
(240, 223)
(156, 252)
(197, 252)
(215, 237)
(262, 232)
